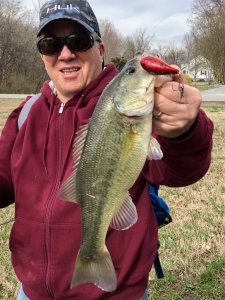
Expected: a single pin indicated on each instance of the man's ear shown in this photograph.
(41, 57)
(102, 50)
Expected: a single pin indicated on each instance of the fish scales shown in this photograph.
(114, 167)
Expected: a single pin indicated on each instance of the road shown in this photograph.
(212, 95)
(13, 96)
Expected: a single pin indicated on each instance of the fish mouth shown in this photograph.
(138, 101)
(137, 112)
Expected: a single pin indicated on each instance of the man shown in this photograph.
(35, 160)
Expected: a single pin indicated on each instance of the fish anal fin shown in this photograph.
(98, 270)
(154, 150)
(126, 215)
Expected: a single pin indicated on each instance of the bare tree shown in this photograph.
(161, 51)
(20, 68)
(10, 17)
(175, 55)
(172, 54)
(208, 33)
(129, 48)
(142, 40)
(112, 39)
(139, 41)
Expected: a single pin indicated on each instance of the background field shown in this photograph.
(192, 246)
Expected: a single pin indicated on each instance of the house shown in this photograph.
(198, 69)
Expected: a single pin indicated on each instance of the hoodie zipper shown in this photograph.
(61, 108)
(52, 197)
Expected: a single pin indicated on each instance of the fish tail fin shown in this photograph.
(99, 271)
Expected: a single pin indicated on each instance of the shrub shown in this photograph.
(188, 78)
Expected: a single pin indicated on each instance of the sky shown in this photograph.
(165, 19)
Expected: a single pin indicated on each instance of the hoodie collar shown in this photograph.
(95, 88)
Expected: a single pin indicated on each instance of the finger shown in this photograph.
(175, 106)
(179, 77)
(166, 122)
(175, 92)
(172, 91)
(180, 116)
(170, 130)
(168, 109)
(174, 124)
(162, 79)
(174, 114)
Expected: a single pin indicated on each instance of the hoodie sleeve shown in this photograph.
(7, 140)
(185, 160)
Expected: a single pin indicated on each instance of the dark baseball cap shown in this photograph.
(76, 10)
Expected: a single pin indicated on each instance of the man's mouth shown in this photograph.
(70, 70)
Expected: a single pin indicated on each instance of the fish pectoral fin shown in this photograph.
(126, 215)
(68, 188)
(79, 142)
(154, 150)
(67, 191)
(99, 271)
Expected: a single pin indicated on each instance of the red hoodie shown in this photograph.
(46, 234)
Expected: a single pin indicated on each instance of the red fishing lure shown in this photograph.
(154, 64)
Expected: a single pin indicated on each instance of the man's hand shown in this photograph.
(176, 105)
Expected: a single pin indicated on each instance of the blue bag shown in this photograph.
(163, 217)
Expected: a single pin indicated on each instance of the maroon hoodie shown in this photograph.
(46, 234)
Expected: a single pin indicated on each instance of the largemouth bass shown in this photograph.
(109, 154)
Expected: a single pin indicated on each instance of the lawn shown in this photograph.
(202, 86)
(192, 246)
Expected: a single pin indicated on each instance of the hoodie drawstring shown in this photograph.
(44, 154)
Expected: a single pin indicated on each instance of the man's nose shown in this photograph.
(66, 53)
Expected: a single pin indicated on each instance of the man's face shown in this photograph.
(71, 71)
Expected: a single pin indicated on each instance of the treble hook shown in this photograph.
(180, 86)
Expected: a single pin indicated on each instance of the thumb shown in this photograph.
(161, 79)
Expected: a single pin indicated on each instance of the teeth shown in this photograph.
(70, 70)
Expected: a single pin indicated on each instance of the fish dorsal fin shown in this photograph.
(126, 215)
(154, 150)
(68, 188)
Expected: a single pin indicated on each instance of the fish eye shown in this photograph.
(130, 70)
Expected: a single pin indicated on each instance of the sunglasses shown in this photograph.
(75, 42)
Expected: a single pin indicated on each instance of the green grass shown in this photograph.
(8, 281)
(192, 246)
(208, 284)
(203, 86)
(214, 108)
